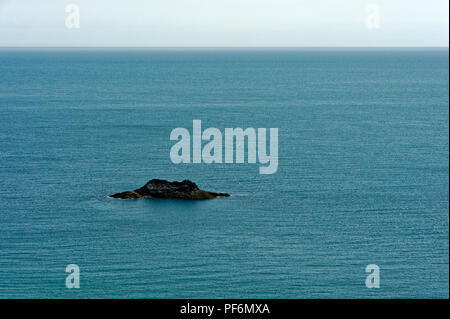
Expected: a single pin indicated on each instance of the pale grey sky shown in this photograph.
(226, 23)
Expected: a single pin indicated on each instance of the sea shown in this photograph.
(362, 178)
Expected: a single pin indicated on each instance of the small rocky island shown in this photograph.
(159, 188)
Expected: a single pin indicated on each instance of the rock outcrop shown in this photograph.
(159, 188)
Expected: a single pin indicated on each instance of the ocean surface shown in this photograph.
(363, 175)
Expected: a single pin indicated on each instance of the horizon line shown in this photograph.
(220, 46)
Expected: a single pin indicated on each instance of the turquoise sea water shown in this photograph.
(363, 173)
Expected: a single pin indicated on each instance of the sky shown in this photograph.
(224, 23)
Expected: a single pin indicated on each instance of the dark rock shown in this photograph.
(163, 189)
